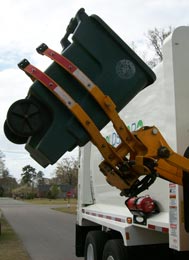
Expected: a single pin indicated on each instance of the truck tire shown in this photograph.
(94, 244)
(115, 250)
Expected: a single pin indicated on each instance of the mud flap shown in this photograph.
(185, 182)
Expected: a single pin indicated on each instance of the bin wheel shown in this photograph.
(24, 118)
(115, 250)
(11, 136)
(94, 244)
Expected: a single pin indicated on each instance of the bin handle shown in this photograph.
(71, 28)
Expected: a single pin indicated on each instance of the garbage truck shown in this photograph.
(131, 126)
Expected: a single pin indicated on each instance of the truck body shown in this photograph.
(164, 104)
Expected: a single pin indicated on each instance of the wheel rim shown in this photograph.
(90, 252)
(110, 258)
(24, 118)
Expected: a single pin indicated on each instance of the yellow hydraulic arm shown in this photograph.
(141, 156)
(141, 153)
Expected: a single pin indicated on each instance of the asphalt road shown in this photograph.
(46, 234)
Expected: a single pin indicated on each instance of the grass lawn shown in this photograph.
(68, 206)
(10, 245)
(71, 209)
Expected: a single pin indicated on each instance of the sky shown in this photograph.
(25, 24)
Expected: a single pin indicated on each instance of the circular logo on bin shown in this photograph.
(125, 69)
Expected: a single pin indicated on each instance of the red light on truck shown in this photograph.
(129, 220)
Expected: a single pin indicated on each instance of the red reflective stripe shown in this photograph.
(48, 82)
(151, 226)
(161, 229)
(61, 60)
(40, 76)
(70, 67)
(165, 230)
(118, 219)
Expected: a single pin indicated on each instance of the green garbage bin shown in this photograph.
(109, 62)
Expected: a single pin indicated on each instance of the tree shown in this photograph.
(28, 175)
(156, 39)
(1, 154)
(1, 191)
(39, 178)
(7, 182)
(67, 171)
(2, 163)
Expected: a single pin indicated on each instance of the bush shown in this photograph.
(53, 192)
(30, 196)
(24, 192)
